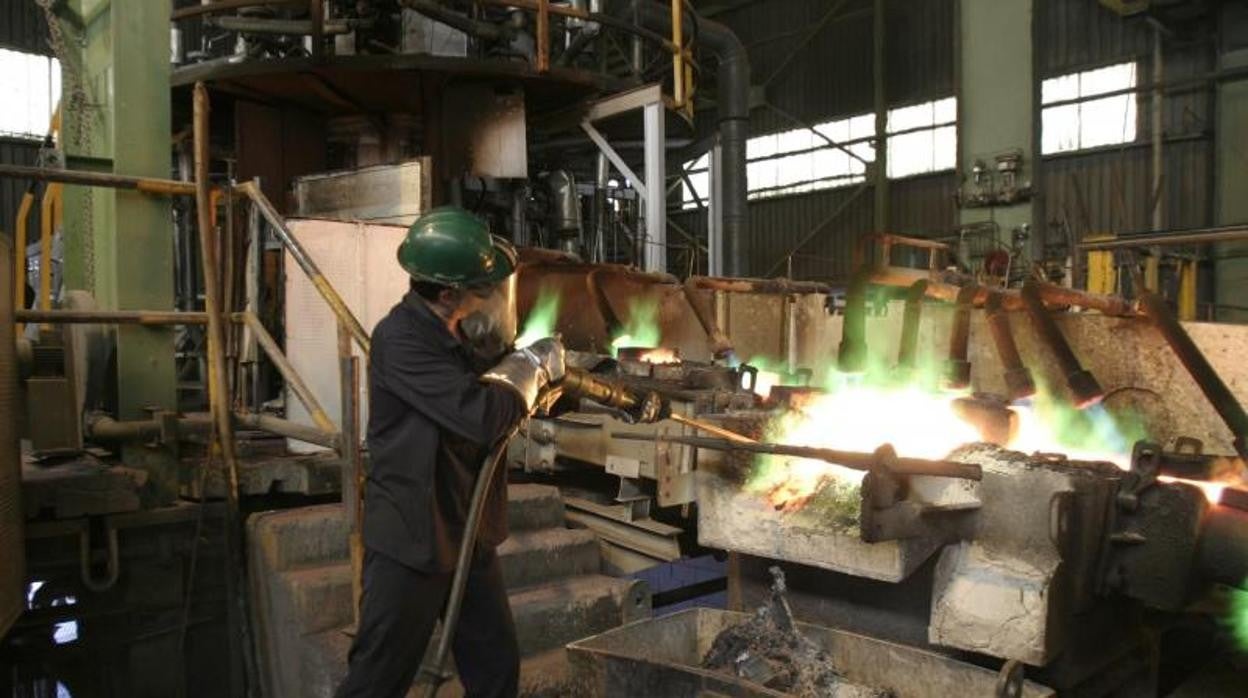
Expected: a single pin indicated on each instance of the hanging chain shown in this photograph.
(75, 126)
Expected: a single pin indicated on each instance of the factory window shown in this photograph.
(923, 138)
(32, 86)
(1074, 117)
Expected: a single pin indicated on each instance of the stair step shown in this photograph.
(320, 596)
(320, 593)
(533, 557)
(545, 675)
(552, 615)
(532, 507)
(547, 618)
(303, 536)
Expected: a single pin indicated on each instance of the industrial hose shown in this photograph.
(433, 674)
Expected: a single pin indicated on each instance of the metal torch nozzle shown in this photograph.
(581, 383)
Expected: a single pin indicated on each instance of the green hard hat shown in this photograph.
(450, 246)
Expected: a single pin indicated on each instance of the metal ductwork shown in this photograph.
(733, 96)
(565, 210)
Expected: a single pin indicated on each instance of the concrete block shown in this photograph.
(992, 605)
(555, 614)
(319, 597)
(295, 537)
(530, 507)
(534, 557)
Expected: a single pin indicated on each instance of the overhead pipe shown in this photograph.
(958, 367)
(946, 288)
(1018, 381)
(765, 286)
(1083, 386)
(733, 97)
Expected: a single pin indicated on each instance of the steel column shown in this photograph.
(656, 203)
(715, 213)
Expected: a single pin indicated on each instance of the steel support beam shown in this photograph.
(881, 118)
(997, 112)
(129, 262)
(652, 191)
(715, 214)
(656, 204)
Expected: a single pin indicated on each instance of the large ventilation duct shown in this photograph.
(734, 113)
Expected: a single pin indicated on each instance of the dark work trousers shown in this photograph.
(398, 612)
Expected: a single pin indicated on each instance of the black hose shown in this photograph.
(434, 674)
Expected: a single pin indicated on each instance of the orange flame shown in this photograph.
(917, 423)
(659, 355)
(1212, 490)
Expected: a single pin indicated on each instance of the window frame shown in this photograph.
(854, 171)
(1127, 94)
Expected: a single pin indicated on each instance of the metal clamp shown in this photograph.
(1010, 680)
(112, 568)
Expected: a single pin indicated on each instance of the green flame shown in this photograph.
(540, 322)
(1239, 617)
(641, 328)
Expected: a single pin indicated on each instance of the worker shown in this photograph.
(444, 394)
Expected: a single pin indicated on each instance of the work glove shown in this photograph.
(548, 354)
(527, 371)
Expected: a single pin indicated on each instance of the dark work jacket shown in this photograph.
(431, 426)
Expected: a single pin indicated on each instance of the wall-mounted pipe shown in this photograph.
(1083, 386)
(1018, 380)
(1198, 367)
(733, 97)
(907, 353)
(958, 367)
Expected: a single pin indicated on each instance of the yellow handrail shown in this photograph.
(49, 219)
(19, 252)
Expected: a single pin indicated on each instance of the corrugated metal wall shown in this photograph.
(831, 77)
(1107, 190)
(14, 151)
(1111, 190)
(22, 27)
(921, 206)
